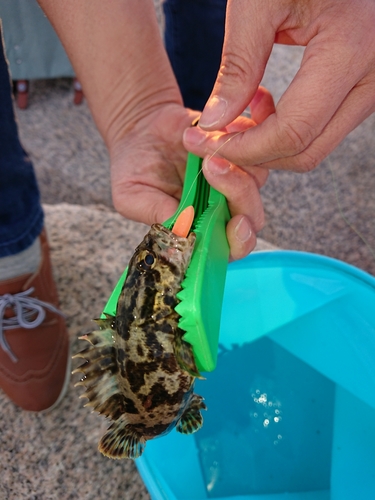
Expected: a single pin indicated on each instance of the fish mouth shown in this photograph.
(173, 239)
(175, 248)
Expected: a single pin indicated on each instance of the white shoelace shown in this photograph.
(25, 308)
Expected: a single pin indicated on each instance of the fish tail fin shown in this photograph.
(122, 441)
(99, 370)
(192, 420)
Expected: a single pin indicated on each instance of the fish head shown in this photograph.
(163, 251)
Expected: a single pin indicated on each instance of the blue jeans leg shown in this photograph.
(21, 214)
(194, 33)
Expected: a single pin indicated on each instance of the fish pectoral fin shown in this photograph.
(192, 420)
(98, 372)
(185, 357)
(122, 441)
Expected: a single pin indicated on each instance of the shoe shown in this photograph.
(34, 343)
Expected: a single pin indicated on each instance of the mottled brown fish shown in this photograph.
(138, 371)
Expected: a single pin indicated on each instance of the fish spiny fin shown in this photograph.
(99, 369)
(185, 357)
(106, 323)
(192, 420)
(121, 441)
(103, 336)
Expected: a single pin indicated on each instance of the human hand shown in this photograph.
(136, 104)
(332, 93)
(147, 171)
(147, 164)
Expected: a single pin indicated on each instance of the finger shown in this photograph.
(262, 105)
(143, 203)
(240, 124)
(359, 104)
(244, 202)
(241, 237)
(249, 37)
(239, 188)
(259, 174)
(308, 105)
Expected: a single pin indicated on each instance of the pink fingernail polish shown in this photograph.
(213, 111)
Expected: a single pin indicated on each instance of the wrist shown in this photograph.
(126, 111)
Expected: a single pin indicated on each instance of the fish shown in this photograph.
(138, 371)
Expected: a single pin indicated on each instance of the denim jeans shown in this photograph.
(194, 33)
(21, 214)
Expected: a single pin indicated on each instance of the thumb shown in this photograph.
(248, 41)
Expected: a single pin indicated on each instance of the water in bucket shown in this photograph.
(277, 415)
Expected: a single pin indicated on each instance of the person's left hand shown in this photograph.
(148, 165)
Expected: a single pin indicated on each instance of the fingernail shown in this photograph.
(194, 136)
(213, 111)
(215, 165)
(243, 230)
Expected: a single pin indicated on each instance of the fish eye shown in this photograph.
(149, 259)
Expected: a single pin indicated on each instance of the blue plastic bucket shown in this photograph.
(291, 405)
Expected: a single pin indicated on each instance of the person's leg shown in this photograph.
(34, 344)
(21, 215)
(194, 33)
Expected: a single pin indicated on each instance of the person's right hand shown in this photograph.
(332, 93)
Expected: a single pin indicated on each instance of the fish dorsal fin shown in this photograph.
(192, 420)
(184, 355)
(99, 370)
(121, 441)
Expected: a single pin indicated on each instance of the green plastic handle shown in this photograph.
(202, 291)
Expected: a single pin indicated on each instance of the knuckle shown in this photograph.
(234, 67)
(304, 167)
(294, 136)
(259, 175)
(306, 162)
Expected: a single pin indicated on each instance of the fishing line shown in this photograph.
(179, 210)
(339, 206)
(349, 224)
